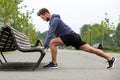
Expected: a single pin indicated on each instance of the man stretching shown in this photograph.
(61, 34)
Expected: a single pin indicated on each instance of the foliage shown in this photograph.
(10, 14)
(117, 36)
(42, 35)
(98, 33)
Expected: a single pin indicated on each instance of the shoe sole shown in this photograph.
(54, 67)
(51, 67)
(113, 64)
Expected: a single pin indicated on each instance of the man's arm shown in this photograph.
(51, 32)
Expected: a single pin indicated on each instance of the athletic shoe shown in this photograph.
(51, 65)
(111, 63)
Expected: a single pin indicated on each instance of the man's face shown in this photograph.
(45, 17)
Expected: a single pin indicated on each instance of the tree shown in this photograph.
(117, 35)
(9, 10)
(42, 36)
(98, 33)
(10, 14)
(85, 33)
(107, 29)
(84, 28)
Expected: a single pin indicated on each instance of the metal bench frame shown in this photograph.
(11, 40)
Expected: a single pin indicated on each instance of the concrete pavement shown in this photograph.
(73, 65)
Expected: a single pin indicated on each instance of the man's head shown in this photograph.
(44, 14)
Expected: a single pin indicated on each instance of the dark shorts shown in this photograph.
(72, 40)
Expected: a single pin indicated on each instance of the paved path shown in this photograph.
(73, 65)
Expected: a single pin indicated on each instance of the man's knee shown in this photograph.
(56, 41)
(87, 48)
(52, 42)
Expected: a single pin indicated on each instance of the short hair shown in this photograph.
(42, 11)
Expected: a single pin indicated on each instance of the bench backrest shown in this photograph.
(6, 40)
(22, 41)
(12, 39)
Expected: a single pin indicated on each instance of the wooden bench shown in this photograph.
(11, 40)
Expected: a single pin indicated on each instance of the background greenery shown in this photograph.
(10, 14)
(105, 33)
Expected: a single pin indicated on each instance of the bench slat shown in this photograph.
(21, 39)
(19, 34)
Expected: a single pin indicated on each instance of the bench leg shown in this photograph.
(39, 61)
(4, 57)
(1, 61)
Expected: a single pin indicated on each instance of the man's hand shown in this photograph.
(41, 47)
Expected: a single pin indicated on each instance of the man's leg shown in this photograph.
(88, 48)
(53, 43)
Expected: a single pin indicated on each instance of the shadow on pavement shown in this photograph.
(19, 66)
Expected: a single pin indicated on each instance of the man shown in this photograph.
(61, 34)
